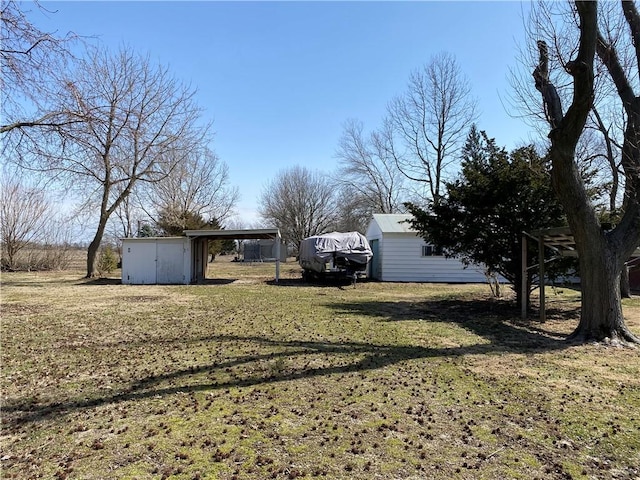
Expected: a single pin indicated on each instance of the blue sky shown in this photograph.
(279, 79)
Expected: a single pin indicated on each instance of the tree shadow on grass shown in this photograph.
(217, 281)
(97, 282)
(495, 320)
(492, 321)
(340, 283)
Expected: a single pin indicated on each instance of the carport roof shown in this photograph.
(234, 234)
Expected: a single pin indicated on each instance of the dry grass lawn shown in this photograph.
(242, 378)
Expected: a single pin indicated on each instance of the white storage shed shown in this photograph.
(400, 255)
(181, 260)
(156, 260)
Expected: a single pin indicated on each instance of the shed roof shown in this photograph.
(394, 222)
(234, 234)
(149, 239)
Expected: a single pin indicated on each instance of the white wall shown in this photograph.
(402, 261)
(148, 261)
(399, 259)
(171, 261)
(138, 262)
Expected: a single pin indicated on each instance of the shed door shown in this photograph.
(170, 263)
(375, 261)
(143, 260)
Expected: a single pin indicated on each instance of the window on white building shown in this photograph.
(431, 251)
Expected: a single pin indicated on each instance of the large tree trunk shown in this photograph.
(625, 286)
(601, 262)
(602, 254)
(601, 316)
(92, 251)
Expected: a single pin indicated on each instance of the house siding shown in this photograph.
(402, 261)
(400, 257)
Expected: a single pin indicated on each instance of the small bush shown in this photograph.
(107, 261)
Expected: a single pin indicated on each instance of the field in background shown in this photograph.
(242, 378)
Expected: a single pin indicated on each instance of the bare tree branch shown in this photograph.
(24, 213)
(633, 19)
(430, 120)
(138, 123)
(300, 202)
(552, 103)
(31, 62)
(609, 58)
(368, 171)
(198, 185)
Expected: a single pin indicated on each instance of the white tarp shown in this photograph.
(317, 251)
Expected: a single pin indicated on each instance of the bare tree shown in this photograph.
(368, 176)
(126, 218)
(138, 123)
(24, 213)
(430, 121)
(31, 62)
(602, 253)
(599, 149)
(197, 185)
(353, 211)
(299, 202)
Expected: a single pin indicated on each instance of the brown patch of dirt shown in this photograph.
(143, 298)
(21, 309)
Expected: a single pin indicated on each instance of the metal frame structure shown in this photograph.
(200, 239)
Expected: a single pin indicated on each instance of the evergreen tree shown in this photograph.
(174, 223)
(146, 230)
(497, 196)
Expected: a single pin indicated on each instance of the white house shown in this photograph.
(400, 255)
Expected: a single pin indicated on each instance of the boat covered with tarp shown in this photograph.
(336, 253)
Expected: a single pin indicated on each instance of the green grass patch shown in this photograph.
(243, 378)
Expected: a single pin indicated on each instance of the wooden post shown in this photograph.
(523, 287)
(543, 314)
(277, 258)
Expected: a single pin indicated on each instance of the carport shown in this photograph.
(199, 240)
(181, 260)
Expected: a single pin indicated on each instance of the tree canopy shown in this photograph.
(132, 123)
(300, 202)
(482, 214)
